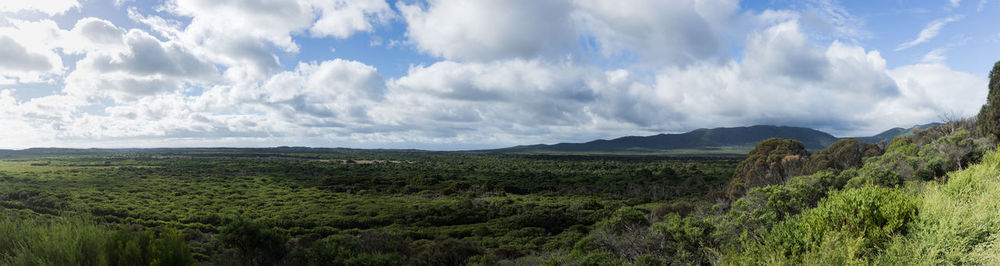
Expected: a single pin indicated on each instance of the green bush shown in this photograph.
(625, 219)
(868, 218)
(148, 247)
(257, 244)
(771, 162)
(445, 251)
(26, 241)
(600, 259)
(876, 177)
(958, 223)
(685, 240)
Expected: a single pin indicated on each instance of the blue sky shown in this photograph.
(458, 74)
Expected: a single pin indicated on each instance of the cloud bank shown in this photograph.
(209, 73)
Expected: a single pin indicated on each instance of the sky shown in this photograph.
(475, 74)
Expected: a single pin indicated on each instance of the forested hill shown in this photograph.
(888, 135)
(723, 140)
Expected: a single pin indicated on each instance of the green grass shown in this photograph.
(959, 222)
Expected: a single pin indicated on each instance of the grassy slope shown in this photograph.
(958, 223)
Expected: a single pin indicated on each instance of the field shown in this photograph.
(307, 205)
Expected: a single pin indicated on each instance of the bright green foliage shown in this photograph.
(959, 222)
(685, 240)
(147, 247)
(53, 241)
(865, 219)
(988, 119)
(764, 207)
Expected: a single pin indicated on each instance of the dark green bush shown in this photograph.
(257, 244)
(445, 251)
(625, 219)
(148, 247)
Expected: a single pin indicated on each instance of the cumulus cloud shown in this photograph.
(242, 35)
(49, 7)
(492, 29)
(660, 31)
(27, 51)
(18, 59)
(208, 72)
(342, 18)
(92, 34)
(335, 90)
(142, 66)
(929, 32)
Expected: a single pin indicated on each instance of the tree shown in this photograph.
(989, 115)
(772, 162)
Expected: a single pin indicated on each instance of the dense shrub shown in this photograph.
(958, 223)
(685, 240)
(867, 218)
(148, 247)
(625, 219)
(445, 251)
(257, 244)
(37, 241)
(841, 155)
(772, 162)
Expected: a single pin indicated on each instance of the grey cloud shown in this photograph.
(660, 32)
(492, 29)
(147, 56)
(16, 57)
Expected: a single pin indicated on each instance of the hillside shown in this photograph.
(721, 140)
(888, 135)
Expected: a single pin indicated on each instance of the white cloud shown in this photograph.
(143, 66)
(242, 35)
(931, 90)
(491, 29)
(27, 49)
(664, 32)
(342, 18)
(49, 7)
(510, 75)
(336, 90)
(935, 56)
(842, 90)
(955, 3)
(929, 32)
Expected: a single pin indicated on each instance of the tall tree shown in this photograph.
(989, 116)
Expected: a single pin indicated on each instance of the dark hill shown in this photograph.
(888, 135)
(723, 140)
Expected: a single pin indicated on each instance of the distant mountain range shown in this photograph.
(888, 135)
(725, 140)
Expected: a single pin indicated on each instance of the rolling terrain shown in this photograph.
(723, 140)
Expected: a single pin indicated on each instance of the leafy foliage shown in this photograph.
(771, 162)
(989, 116)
